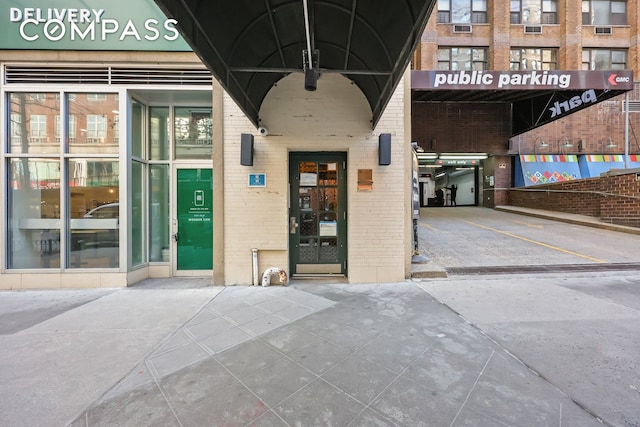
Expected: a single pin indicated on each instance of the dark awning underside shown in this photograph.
(251, 44)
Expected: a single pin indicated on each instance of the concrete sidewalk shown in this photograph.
(308, 355)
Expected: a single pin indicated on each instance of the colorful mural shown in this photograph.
(548, 168)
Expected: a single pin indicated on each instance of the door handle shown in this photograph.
(293, 225)
(175, 236)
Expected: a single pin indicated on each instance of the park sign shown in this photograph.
(118, 25)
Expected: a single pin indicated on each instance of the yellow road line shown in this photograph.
(536, 242)
(528, 225)
(428, 226)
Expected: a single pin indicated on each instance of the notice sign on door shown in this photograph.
(328, 228)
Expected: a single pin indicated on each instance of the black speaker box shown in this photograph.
(246, 149)
(384, 149)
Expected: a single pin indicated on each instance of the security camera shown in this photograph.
(263, 131)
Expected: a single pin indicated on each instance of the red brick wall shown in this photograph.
(614, 198)
(449, 127)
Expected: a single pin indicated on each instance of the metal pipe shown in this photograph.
(306, 26)
(626, 130)
(256, 274)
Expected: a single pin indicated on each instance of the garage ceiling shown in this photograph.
(249, 45)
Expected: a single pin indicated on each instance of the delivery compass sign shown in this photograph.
(88, 25)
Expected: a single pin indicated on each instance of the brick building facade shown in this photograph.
(505, 35)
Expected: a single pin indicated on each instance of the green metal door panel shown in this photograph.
(195, 219)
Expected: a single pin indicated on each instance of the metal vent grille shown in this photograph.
(462, 28)
(533, 29)
(603, 31)
(106, 75)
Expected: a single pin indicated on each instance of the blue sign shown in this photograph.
(257, 180)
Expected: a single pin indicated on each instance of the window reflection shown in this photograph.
(34, 213)
(32, 123)
(97, 118)
(193, 132)
(94, 213)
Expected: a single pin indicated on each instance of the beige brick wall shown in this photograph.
(336, 117)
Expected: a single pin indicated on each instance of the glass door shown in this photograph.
(317, 215)
(193, 222)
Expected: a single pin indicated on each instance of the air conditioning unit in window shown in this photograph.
(602, 31)
(462, 28)
(632, 106)
(533, 29)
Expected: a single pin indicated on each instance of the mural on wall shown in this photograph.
(548, 168)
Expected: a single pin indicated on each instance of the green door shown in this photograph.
(194, 234)
(318, 212)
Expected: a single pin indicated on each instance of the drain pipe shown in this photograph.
(256, 275)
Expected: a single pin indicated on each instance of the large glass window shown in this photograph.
(137, 130)
(159, 125)
(604, 12)
(534, 12)
(604, 59)
(462, 58)
(159, 213)
(34, 213)
(94, 212)
(30, 113)
(193, 131)
(138, 214)
(534, 59)
(462, 11)
(97, 117)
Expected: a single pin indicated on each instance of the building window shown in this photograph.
(38, 125)
(604, 59)
(533, 59)
(604, 12)
(193, 132)
(49, 181)
(462, 58)
(462, 11)
(96, 97)
(534, 12)
(94, 212)
(33, 205)
(29, 117)
(96, 116)
(159, 214)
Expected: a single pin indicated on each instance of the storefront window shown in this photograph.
(193, 130)
(34, 213)
(32, 125)
(94, 212)
(97, 117)
(137, 130)
(159, 213)
(159, 125)
(138, 214)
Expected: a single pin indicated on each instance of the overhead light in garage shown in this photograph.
(463, 156)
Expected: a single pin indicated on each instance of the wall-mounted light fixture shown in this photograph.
(540, 144)
(607, 143)
(563, 143)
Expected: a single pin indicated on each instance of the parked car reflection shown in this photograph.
(109, 210)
